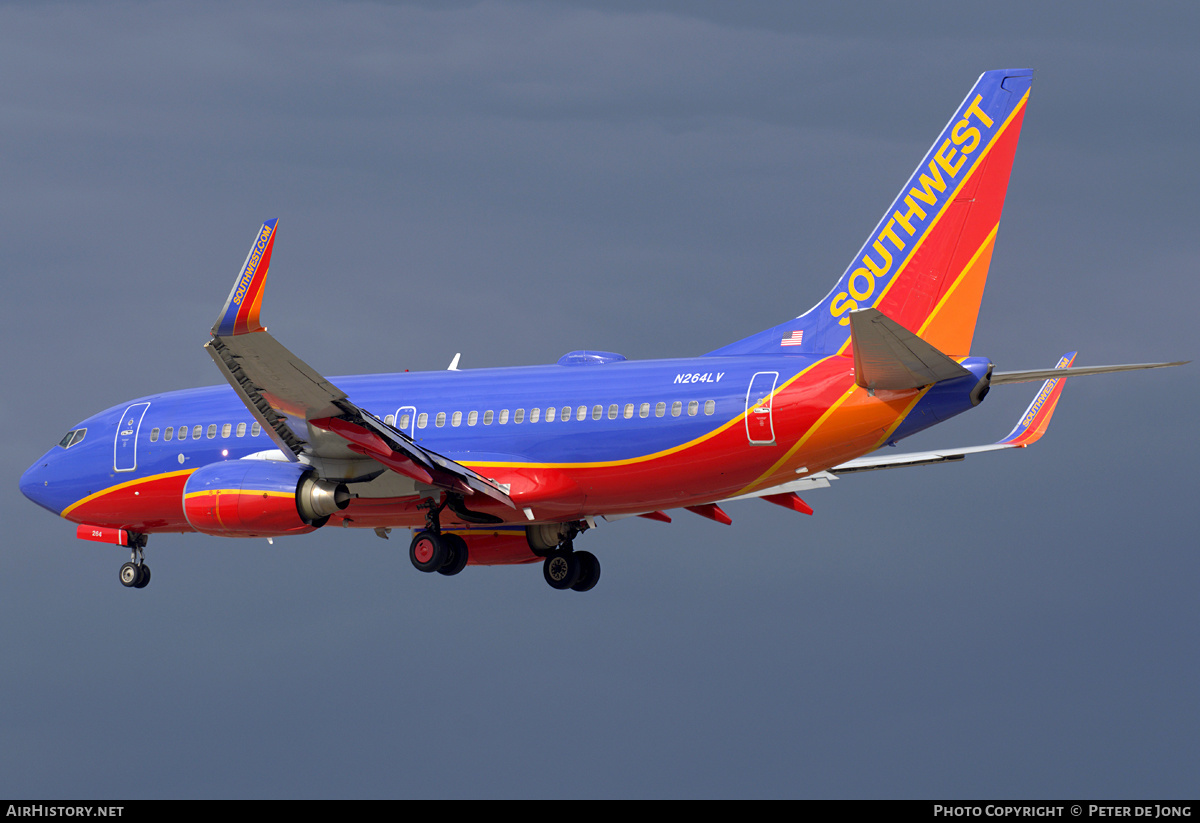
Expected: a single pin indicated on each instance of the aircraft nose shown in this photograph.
(35, 484)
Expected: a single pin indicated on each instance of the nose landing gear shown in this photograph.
(136, 574)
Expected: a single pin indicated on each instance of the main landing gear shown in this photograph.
(136, 574)
(440, 552)
(433, 550)
(564, 568)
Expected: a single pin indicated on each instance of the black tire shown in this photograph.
(561, 569)
(457, 553)
(427, 551)
(145, 578)
(589, 572)
(130, 575)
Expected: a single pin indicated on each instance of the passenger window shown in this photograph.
(168, 434)
(566, 414)
(212, 430)
(183, 432)
(597, 412)
(197, 431)
(241, 430)
(660, 409)
(405, 419)
(710, 406)
(612, 412)
(644, 411)
(693, 407)
(676, 408)
(472, 418)
(422, 420)
(503, 417)
(440, 420)
(488, 417)
(226, 430)
(628, 411)
(390, 420)
(255, 429)
(154, 435)
(519, 416)
(456, 419)
(534, 415)
(550, 412)
(581, 413)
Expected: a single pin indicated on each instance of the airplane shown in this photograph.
(511, 465)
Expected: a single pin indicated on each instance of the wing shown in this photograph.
(305, 414)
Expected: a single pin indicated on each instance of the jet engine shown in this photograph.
(260, 498)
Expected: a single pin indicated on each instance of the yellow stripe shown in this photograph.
(642, 459)
(900, 418)
(811, 431)
(940, 214)
(970, 264)
(255, 492)
(887, 433)
(120, 486)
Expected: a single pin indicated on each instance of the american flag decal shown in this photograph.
(795, 340)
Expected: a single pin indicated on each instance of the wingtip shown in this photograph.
(1036, 419)
(241, 312)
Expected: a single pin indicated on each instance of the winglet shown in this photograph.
(240, 315)
(1036, 419)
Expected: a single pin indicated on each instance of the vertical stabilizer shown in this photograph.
(926, 262)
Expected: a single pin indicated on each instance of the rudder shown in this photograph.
(926, 262)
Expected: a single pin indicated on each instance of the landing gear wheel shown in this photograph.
(131, 575)
(456, 559)
(589, 572)
(427, 551)
(145, 578)
(561, 569)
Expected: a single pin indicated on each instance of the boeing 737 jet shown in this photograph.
(512, 465)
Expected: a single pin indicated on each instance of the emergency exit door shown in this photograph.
(760, 431)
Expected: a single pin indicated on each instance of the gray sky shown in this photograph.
(516, 180)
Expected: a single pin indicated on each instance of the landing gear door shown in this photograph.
(406, 420)
(760, 431)
(125, 443)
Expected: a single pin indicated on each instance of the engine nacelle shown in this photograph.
(260, 498)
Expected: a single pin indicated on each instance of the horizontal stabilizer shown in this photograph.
(1001, 377)
(889, 356)
(1030, 427)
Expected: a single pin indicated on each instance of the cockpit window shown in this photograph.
(72, 437)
